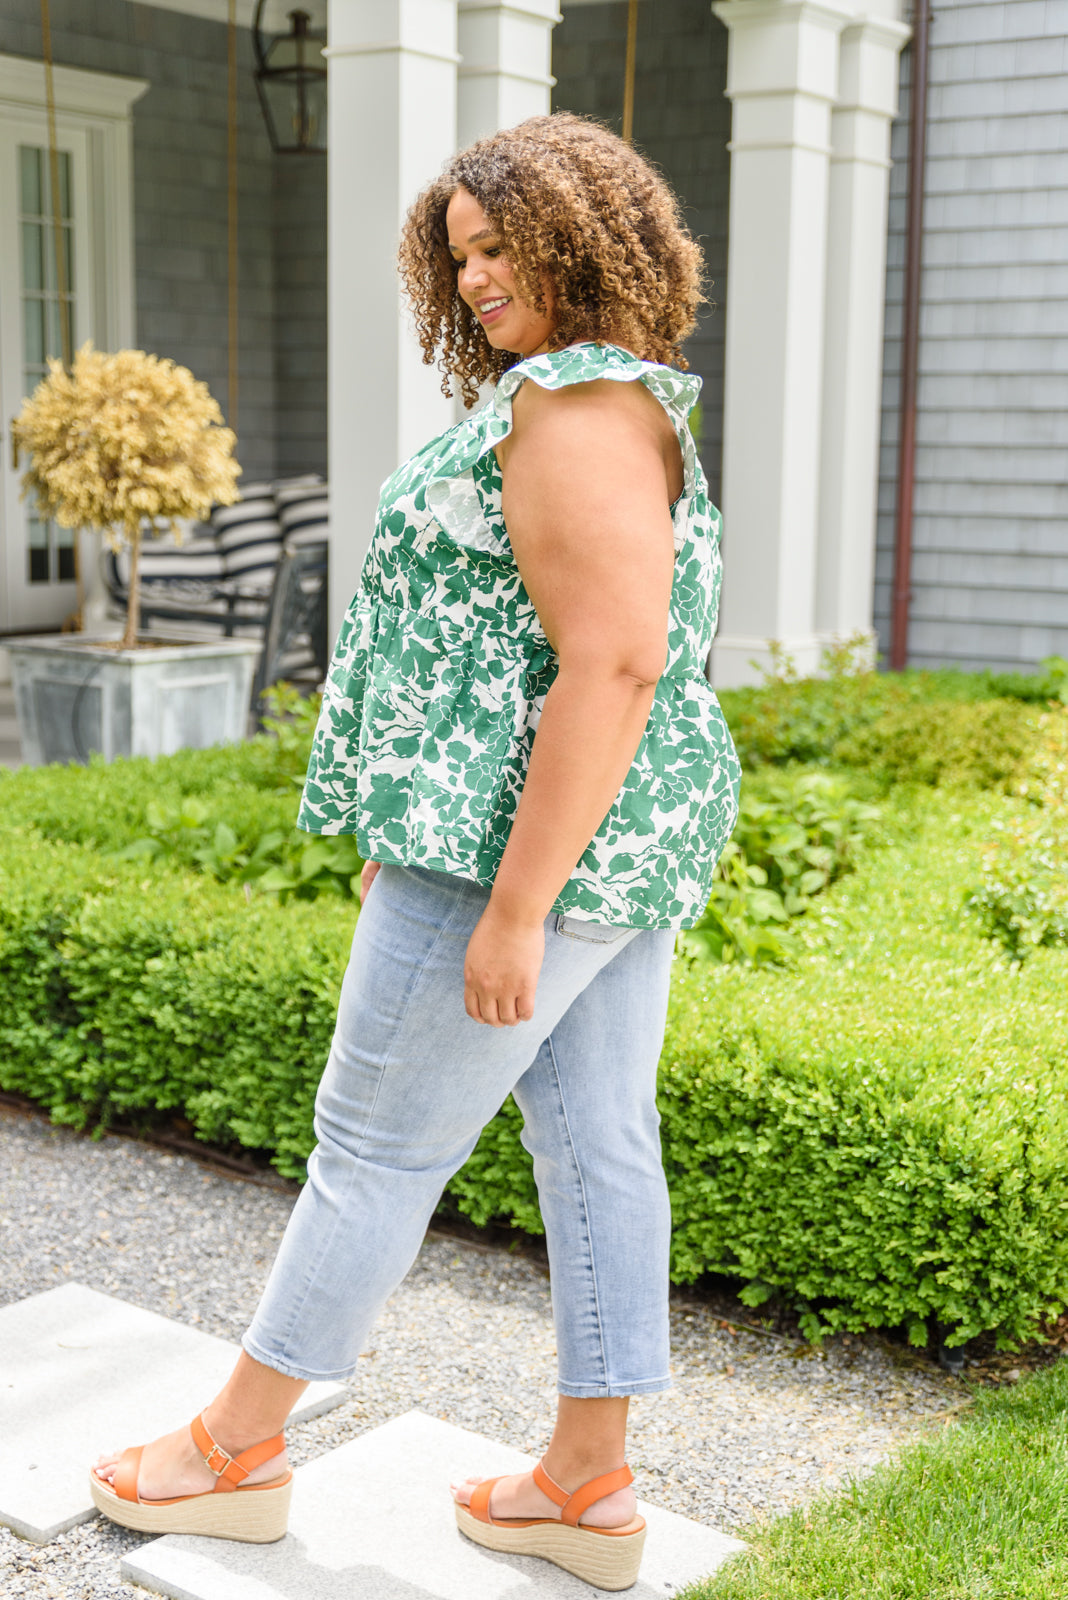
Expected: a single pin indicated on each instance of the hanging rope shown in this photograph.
(73, 623)
(231, 216)
(629, 71)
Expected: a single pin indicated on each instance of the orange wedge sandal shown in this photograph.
(255, 1513)
(608, 1558)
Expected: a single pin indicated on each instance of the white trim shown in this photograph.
(747, 12)
(531, 11)
(101, 103)
(93, 116)
(540, 78)
(779, 144)
(392, 47)
(100, 94)
(877, 30)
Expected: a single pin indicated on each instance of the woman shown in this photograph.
(547, 566)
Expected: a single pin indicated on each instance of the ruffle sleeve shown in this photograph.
(452, 492)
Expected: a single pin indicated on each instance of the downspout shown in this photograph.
(906, 459)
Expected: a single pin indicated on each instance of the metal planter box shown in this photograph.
(74, 696)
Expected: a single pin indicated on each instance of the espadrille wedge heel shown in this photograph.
(607, 1558)
(254, 1513)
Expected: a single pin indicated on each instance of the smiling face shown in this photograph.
(484, 280)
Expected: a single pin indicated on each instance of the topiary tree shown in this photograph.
(120, 443)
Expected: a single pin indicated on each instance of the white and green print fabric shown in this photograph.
(441, 669)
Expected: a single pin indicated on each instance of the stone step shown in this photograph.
(83, 1372)
(373, 1520)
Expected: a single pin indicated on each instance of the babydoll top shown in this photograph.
(441, 669)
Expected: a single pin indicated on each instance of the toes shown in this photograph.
(461, 1492)
(104, 1465)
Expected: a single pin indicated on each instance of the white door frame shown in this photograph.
(93, 118)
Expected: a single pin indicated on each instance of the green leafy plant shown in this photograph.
(1023, 900)
(744, 920)
(795, 835)
(1050, 682)
(283, 862)
(1023, 903)
(791, 718)
(289, 718)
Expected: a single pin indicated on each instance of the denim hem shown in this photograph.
(613, 1391)
(288, 1370)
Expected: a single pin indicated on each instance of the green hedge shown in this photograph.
(127, 994)
(878, 1130)
(789, 718)
(982, 745)
(252, 787)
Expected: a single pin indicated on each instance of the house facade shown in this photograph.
(775, 120)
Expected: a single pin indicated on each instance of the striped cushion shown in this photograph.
(249, 536)
(303, 511)
(164, 560)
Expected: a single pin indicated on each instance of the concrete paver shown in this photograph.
(81, 1372)
(373, 1520)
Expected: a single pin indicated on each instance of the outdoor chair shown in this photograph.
(258, 569)
(295, 639)
(218, 576)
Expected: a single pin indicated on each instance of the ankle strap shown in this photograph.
(573, 1505)
(230, 1471)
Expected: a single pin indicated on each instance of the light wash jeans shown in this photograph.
(410, 1083)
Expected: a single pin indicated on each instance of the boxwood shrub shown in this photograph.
(129, 994)
(877, 1131)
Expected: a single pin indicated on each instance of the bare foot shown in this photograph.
(520, 1497)
(173, 1466)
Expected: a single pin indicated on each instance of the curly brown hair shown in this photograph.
(581, 215)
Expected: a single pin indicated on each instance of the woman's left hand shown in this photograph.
(501, 970)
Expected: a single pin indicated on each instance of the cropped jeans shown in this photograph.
(410, 1083)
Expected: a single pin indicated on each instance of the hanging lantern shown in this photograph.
(291, 82)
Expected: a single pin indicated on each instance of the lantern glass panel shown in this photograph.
(295, 111)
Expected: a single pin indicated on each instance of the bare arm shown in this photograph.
(589, 473)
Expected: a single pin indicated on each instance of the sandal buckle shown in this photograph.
(209, 1460)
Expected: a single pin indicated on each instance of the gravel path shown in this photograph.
(755, 1423)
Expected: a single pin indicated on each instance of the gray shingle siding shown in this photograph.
(300, 315)
(990, 563)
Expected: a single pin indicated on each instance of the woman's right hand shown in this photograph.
(367, 877)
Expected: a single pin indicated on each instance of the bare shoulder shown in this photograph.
(621, 424)
(600, 415)
(592, 404)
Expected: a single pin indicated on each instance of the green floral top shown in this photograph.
(442, 667)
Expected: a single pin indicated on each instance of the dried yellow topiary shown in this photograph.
(122, 442)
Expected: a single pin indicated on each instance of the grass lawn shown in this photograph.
(976, 1512)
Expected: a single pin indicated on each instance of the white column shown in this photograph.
(392, 99)
(853, 338)
(781, 79)
(505, 76)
